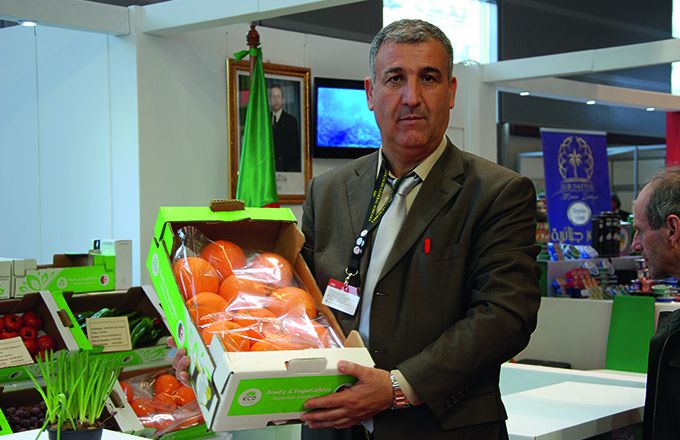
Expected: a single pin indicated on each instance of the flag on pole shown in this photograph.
(257, 170)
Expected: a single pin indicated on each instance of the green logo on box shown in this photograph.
(250, 397)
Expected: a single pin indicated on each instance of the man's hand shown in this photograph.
(180, 363)
(371, 395)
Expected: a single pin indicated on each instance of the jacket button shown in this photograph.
(378, 351)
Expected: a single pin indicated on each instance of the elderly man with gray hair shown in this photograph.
(657, 237)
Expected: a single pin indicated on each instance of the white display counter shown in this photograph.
(552, 403)
(575, 331)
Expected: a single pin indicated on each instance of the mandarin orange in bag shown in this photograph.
(195, 275)
(225, 257)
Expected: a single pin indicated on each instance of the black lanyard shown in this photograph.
(373, 216)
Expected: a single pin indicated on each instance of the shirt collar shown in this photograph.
(277, 115)
(424, 167)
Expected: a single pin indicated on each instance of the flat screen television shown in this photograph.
(343, 126)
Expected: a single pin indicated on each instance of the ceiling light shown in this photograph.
(650, 109)
(27, 23)
(590, 102)
(524, 93)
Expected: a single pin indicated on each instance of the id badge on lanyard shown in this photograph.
(341, 295)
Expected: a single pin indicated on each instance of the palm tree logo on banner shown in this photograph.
(575, 160)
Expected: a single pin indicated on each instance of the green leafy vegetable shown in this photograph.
(77, 385)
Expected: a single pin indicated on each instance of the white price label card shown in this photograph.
(341, 297)
(13, 353)
(112, 333)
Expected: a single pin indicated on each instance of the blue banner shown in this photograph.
(576, 183)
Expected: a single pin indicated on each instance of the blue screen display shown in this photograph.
(344, 120)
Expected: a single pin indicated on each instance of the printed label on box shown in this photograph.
(112, 333)
(13, 352)
(76, 279)
(283, 394)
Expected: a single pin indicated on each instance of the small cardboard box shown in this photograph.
(5, 278)
(245, 390)
(134, 299)
(16, 398)
(129, 422)
(30, 396)
(91, 272)
(44, 305)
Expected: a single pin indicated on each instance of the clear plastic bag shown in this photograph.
(162, 402)
(250, 300)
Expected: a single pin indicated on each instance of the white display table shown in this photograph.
(552, 403)
(572, 410)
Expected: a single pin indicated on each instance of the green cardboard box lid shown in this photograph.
(205, 213)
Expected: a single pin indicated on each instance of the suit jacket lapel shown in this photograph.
(439, 187)
(359, 190)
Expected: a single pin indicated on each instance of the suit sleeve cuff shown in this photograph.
(406, 387)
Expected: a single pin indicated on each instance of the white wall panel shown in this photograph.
(75, 149)
(19, 177)
(125, 146)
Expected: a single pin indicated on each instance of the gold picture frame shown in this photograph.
(293, 165)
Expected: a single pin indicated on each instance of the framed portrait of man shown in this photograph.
(288, 94)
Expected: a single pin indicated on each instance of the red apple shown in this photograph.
(11, 322)
(31, 346)
(31, 319)
(46, 342)
(28, 333)
(5, 334)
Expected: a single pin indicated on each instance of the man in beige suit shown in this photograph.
(458, 292)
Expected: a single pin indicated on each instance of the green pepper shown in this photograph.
(132, 323)
(140, 329)
(81, 317)
(102, 313)
(150, 337)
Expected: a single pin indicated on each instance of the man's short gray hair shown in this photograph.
(409, 31)
(664, 199)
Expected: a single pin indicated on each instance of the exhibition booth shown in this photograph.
(141, 112)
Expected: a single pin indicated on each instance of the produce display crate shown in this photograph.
(31, 397)
(104, 269)
(16, 398)
(5, 278)
(133, 299)
(244, 390)
(130, 424)
(44, 305)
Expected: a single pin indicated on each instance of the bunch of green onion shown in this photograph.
(77, 385)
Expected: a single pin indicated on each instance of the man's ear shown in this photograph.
(673, 225)
(368, 85)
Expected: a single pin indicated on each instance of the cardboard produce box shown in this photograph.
(134, 300)
(43, 304)
(130, 423)
(5, 278)
(91, 272)
(29, 397)
(11, 400)
(245, 390)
